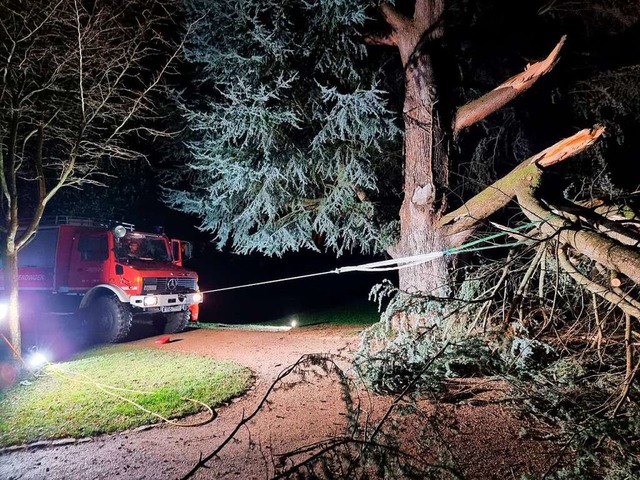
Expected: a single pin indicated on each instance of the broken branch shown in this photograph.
(480, 108)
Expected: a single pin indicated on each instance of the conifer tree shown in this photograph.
(294, 140)
(291, 130)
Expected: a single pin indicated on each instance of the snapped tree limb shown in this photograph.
(497, 98)
(460, 222)
(594, 287)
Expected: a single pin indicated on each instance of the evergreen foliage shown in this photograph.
(394, 356)
(288, 128)
(526, 322)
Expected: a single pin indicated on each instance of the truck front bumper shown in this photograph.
(166, 302)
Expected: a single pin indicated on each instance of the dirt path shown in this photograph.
(484, 440)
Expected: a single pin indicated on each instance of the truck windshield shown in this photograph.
(137, 246)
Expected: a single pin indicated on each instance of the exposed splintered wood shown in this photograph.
(461, 221)
(480, 108)
(567, 147)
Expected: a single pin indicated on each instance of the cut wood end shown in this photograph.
(614, 279)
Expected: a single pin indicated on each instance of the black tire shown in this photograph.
(111, 319)
(173, 322)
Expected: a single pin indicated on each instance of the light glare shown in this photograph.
(4, 309)
(149, 301)
(37, 360)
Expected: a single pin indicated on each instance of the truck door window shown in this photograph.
(93, 248)
(40, 251)
(186, 250)
(156, 249)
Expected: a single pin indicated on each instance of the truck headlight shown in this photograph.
(197, 297)
(150, 301)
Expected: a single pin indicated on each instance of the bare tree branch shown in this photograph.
(595, 246)
(75, 86)
(595, 287)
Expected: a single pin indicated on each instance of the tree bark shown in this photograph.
(598, 247)
(497, 98)
(426, 160)
(10, 272)
(460, 223)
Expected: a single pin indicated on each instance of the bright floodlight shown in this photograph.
(294, 323)
(37, 360)
(4, 309)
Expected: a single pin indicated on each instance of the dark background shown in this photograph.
(260, 303)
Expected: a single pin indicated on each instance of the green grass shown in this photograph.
(66, 402)
(356, 315)
(353, 315)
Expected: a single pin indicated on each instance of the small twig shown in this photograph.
(630, 373)
(560, 456)
(598, 338)
(369, 441)
(407, 389)
(525, 280)
(491, 295)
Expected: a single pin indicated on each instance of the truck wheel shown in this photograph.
(173, 322)
(112, 319)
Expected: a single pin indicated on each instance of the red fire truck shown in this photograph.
(109, 275)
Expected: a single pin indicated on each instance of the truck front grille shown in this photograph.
(163, 284)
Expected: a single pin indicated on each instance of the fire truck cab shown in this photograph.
(110, 275)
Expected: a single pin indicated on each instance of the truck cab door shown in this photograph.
(181, 251)
(89, 254)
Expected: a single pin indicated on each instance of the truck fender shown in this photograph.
(99, 290)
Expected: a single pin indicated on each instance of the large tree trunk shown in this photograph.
(426, 173)
(426, 161)
(423, 200)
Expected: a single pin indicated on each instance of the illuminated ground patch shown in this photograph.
(113, 389)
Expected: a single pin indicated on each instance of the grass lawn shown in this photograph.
(357, 314)
(73, 399)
